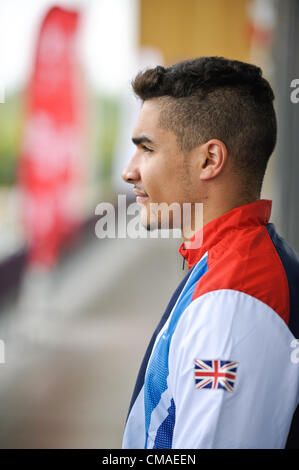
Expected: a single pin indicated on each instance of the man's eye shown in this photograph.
(146, 149)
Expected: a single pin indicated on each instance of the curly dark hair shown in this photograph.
(214, 97)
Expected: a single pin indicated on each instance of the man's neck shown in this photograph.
(210, 212)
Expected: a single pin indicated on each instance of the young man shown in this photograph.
(219, 370)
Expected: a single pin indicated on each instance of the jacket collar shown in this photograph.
(249, 215)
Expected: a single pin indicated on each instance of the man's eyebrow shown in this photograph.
(141, 139)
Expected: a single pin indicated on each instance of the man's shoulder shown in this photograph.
(250, 261)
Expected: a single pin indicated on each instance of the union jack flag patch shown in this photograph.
(215, 374)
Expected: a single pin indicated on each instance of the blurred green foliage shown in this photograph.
(106, 124)
(104, 132)
(10, 129)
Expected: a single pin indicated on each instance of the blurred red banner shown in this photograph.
(51, 166)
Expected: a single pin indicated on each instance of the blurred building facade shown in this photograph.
(183, 30)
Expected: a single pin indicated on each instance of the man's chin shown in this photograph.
(149, 224)
(154, 223)
(151, 221)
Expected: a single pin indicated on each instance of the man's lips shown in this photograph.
(141, 195)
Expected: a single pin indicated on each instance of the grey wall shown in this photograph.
(286, 61)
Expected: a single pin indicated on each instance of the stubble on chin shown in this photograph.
(157, 221)
(148, 219)
(150, 224)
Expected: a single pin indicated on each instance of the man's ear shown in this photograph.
(213, 159)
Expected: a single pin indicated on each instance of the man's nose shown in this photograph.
(131, 173)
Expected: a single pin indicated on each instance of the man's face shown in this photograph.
(158, 168)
